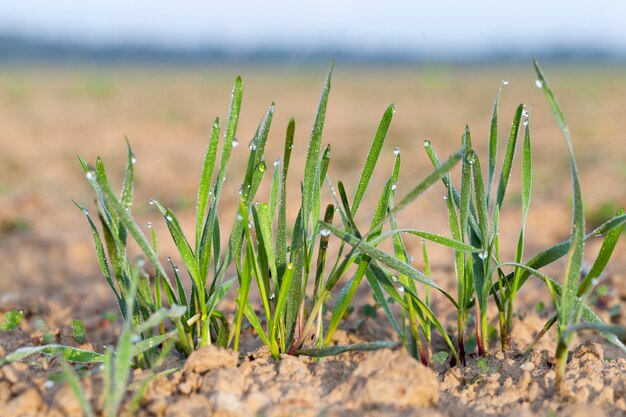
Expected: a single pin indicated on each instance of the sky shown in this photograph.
(460, 27)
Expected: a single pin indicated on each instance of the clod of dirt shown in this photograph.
(383, 379)
(515, 384)
(380, 383)
(208, 358)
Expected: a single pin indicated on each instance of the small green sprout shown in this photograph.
(12, 319)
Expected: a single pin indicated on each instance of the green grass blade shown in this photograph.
(256, 324)
(102, 259)
(77, 389)
(466, 184)
(509, 154)
(204, 188)
(66, 352)
(379, 297)
(265, 240)
(372, 157)
(344, 299)
(323, 351)
(281, 299)
(433, 237)
(574, 261)
(281, 225)
(183, 246)
(229, 136)
(606, 250)
(274, 190)
(128, 184)
(492, 150)
(313, 152)
(130, 225)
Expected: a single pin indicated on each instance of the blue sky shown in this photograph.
(362, 25)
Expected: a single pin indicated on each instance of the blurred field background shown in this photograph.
(48, 114)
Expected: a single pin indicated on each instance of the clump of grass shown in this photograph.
(263, 257)
(257, 247)
(304, 295)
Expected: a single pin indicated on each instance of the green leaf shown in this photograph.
(372, 157)
(433, 237)
(281, 299)
(129, 179)
(509, 154)
(492, 150)
(66, 352)
(313, 152)
(78, 331)
(574, 261)
(318, 352)
(281, 227)
(606, 250)
(204, 187)
(12, 319)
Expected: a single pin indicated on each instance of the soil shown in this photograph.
(49, 270)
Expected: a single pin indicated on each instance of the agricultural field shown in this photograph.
(52, 290)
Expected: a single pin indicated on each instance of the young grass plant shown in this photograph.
(304, 296)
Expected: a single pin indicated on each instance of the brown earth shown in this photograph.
(49, 271)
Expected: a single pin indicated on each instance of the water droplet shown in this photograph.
(169, 218)
(427, 143)
(538, 84)
(325, 232)
(470, 158)
(249, 225)
(235, 143)
(396, 150)
(276, 162)
(176, 268)
(525, 122)
(261, 167)
(239, 217)
(85, 212)
(252, 147)
(411, 259)
(149, 225)
(394, 278)
(505, 82)
(91, 175)
(151, 202)
(48, 384)
(401, 289)
(135, 338)
(445, 197)
(133, 159)
(272, 296)
(393, 187)
(483, 255)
